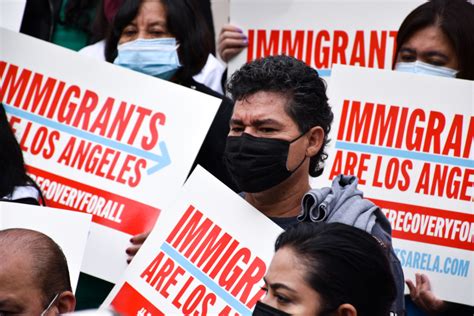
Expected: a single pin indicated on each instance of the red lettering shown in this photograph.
(321, 54)
(180, 225)
(265, 48)
(88, 104)
(341, 39)
(435, 127)
(148, 143)
(358, 50)
(15, 86)
(377, 49)
(293, 47)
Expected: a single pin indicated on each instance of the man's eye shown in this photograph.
(267, 130)
(237, 129)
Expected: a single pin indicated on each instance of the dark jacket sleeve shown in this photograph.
(211, 154)
(39, 18)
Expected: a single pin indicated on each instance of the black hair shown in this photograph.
(78, 14)
(455, 18)
(306, 90)
(12, 165)
(343, 265)
(50, 269)
(184, 21)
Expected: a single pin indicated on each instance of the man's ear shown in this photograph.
(346, 310)
(315, 140)
(66, 302)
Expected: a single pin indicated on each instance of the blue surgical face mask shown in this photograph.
(419, 67)
(156, 57)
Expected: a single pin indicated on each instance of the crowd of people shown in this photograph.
(266, 141)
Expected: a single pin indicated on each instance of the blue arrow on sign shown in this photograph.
(161, 161)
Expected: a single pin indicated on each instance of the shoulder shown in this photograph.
(211, 74)
(26, 194)
(226, 103)
(96, 50)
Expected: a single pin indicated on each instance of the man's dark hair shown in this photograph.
(343, 265)
(455, 18)
(308, 105)
(48, 262)
(184, 21)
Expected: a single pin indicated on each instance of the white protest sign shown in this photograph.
(101, 139)
(68, 229)
(206, 255)
(11, 14)
(321, 32)
(409, 140)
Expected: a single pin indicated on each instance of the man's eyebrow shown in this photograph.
(258, 122)
(236, 121)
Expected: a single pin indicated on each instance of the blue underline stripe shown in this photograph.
(324, 72)
(191, 268)
(468, 163)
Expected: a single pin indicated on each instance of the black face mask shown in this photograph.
(257, 163)
(262, 309)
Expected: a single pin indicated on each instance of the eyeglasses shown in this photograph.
(50, 305)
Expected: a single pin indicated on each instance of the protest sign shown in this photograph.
(206, 255)
(101, 139)
(321, 32)
(409, 140)
(11, 14)
(68, 229)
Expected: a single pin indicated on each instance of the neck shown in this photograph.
(283, 200)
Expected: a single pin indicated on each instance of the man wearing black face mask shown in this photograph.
(278, 132)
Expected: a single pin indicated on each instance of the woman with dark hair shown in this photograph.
(211, 73)
(169, 39)
(157, 19)
(437, 38)
(15, 184)
(327, 269)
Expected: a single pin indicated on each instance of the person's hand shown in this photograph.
(231, 42)
(422, 295)
(137, 241)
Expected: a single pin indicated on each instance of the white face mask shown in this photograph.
(419, 67)
(156, 57)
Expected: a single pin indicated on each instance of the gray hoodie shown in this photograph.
(344, 203)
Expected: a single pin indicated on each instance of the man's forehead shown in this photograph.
(17, 266)
(261, 105)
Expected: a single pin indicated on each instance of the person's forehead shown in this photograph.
(16, 267)
(262, 105)
(429, 38)
(286, 268)
(151, 11)
(18, 287)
